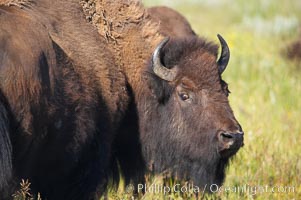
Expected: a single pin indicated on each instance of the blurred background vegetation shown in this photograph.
(265, 85)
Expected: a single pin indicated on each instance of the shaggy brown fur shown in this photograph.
(66, 107)
(173, 136)
(62, 100)
(131, 36)
(171, 23)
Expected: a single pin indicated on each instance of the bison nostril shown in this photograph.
(226, 139)
(227, 135)
(229, 142)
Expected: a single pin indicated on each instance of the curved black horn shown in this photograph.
(225, 55)
(159, 69)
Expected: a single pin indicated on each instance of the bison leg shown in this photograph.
(5, 148)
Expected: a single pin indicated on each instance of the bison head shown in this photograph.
(187, 127)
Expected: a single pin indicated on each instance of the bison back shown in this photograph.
(171, 22)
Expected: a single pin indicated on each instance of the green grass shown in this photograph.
(266, 90)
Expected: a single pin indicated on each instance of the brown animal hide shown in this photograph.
(187, 141)
(63, 96)
(129, 31)
(294, 50)
(171, 23)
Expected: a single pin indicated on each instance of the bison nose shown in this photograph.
(229, 143)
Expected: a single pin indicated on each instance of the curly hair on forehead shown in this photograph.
(183, 48)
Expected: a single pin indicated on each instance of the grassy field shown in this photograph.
(266, 92)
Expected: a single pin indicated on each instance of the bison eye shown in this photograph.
(184, 96)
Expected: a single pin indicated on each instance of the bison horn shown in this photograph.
(159, 69)
(225, 55)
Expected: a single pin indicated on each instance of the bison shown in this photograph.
(293, 51)
(77, 105)
(60, 101)
(179, 101)
(171, 23)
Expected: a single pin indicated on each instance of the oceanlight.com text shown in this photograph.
(212, 188)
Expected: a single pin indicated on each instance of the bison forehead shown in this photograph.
(201, 62)
(192, 48)
(195, 58)
(202, 74)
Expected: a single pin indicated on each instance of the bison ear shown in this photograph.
(225, 55)
(160, 88)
